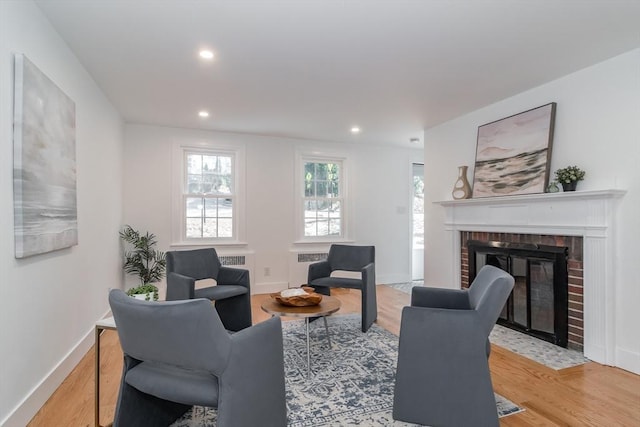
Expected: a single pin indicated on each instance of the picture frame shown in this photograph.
(44, 163)
(513, 154)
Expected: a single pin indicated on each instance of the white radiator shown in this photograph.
(299, 266)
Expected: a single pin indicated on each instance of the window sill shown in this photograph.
(202, 245)
(322, 241)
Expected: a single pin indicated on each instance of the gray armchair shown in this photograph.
(178, 354)
(349, 258)
(232, 293)
(443, 376)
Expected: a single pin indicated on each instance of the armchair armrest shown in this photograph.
(440, 298)
(252, 387)
(317, 270)
(369, 274)
(233, 276)
(180, 287)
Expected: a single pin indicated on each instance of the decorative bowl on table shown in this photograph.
(298, 297)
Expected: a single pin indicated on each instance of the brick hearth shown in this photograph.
(575, 269)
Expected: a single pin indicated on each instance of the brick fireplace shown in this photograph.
(574, 266)
(583, 221)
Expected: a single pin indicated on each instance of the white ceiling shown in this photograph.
(313, 68)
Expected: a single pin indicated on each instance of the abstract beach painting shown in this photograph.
(44, 163)
(513, 154)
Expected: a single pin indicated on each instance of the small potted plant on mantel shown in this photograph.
(569, 177)
(144, 261)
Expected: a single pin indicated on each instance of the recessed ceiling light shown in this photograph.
(206, 54)
(203, 114)
(355, 129)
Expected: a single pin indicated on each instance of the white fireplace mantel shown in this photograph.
(589, 214)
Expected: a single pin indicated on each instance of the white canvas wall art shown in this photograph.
(513, 154)
(44, 163)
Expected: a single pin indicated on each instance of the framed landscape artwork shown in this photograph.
(44, 163)
(513, 154)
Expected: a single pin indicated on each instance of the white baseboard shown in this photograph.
(392, 278)
(31, 404)
(268, 288)
(628, 360)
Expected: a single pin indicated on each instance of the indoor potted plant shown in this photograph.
(569, 177)
(144, 261)
(146, 292)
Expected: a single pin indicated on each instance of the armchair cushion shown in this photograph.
(220, 292)
(175, 384)
(338, 282)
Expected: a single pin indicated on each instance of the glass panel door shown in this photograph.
(542, 300)
(417, 215)
(519, 295)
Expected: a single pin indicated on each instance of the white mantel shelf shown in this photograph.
(575, 213)
(536, 198)
(590, 214)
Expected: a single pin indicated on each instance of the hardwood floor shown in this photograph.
(587, 395)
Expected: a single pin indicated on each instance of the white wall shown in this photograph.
(379, 187)
(597, 128)
(49, 303)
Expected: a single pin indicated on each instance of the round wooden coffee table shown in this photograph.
(327, 307)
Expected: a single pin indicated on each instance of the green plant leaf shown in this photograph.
(142, 259)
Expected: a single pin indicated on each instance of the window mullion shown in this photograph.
(218, 216)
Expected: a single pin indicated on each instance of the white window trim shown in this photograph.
(301, 158)
(239, 189)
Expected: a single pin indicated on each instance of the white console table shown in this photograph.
(107, 323)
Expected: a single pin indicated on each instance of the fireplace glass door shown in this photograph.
(538, 303)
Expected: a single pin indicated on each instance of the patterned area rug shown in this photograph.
(351, 384)
(540, 351)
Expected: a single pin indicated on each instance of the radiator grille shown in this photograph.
(232, 260)
(312, 257)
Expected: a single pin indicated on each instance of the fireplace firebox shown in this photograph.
(538, 304)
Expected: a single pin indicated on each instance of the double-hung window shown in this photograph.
(322, 183)
(208, 205)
